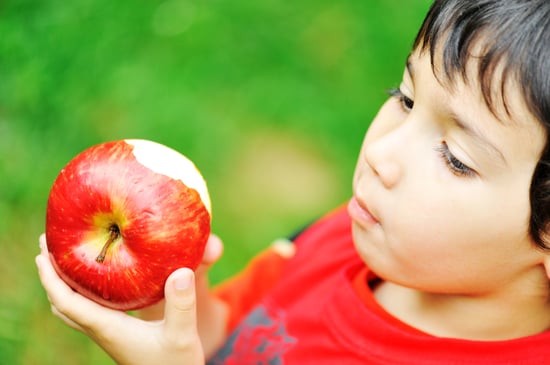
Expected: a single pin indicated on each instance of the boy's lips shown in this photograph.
(360, 214)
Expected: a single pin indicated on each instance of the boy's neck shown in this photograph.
(506, 315)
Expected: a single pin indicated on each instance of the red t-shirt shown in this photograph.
(318, 308)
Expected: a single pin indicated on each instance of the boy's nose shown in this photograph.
(382, 160)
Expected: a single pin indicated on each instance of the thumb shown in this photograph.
(180, 317)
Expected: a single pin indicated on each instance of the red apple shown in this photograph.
(122, 216)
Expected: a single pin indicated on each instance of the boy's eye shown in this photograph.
(456, 166)
(406, 103)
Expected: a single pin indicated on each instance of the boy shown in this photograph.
(441, 256)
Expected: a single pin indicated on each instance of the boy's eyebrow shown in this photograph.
(478, 137)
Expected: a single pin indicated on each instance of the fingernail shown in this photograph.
(183, 280)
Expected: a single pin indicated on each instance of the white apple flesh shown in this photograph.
(123, 215)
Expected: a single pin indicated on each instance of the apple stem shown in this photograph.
(114, 234)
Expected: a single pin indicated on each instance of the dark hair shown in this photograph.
(515, 35)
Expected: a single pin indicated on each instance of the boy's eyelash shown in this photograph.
(406, 103)
(454, 164)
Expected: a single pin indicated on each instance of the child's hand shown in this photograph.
(127, 339)
(212, 313)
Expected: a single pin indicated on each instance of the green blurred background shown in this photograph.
(269, 98)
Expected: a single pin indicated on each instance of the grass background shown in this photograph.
(269, 98)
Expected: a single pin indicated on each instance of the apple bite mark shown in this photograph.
(167, 161)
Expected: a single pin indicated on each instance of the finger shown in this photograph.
(69, 322)
(58, 291)
(42, 242)
(180, 310)
(212, 253)
(213, 250)
(68, 304)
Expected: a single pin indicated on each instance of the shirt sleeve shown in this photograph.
(244, 290)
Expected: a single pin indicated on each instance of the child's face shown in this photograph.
(441, 188)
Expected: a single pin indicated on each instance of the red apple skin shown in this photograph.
(163, 224)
